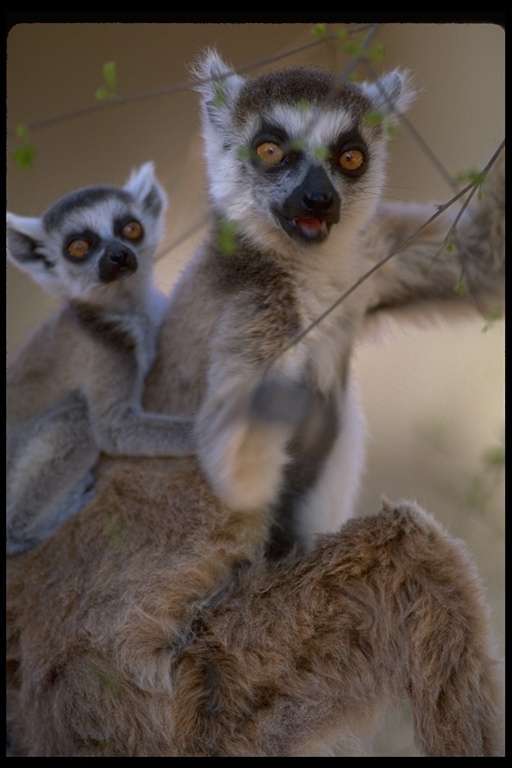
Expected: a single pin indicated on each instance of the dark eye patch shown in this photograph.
(349, 141)
(79, 246)
(125, 229)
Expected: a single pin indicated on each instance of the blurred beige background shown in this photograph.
(434, 397)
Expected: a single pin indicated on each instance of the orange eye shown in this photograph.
(270, 153)
(132, 230)
(351, 160)
(79, 248)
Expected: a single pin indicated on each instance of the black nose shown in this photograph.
(117, 262)
(314, 197)
(317, 202)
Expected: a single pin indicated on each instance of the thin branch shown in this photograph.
(374, 28)
(176, 88)
(415, 135)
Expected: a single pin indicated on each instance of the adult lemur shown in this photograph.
(75, 388)
(295, 163)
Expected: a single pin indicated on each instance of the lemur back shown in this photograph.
(75, 388)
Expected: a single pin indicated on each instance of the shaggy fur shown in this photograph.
(138, 633)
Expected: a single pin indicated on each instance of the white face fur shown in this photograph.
(89, 243)
(279, 138)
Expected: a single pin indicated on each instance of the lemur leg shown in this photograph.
(49, 463)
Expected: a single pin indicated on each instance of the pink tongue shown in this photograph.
(309, 226)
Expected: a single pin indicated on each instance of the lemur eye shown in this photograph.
(78, 249)
(132, 230)
(351, 160)
(270, 153)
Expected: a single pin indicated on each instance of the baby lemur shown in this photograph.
(75, 388)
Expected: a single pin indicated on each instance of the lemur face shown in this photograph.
(303, 174)
(92, 237)
(295, 153)
(99, 231)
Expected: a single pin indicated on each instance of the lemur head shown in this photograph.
(92, 238)
(293, 153)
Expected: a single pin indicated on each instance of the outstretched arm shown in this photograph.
(449, 263)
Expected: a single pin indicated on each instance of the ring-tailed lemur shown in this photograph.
(295, 161)
(75, 387)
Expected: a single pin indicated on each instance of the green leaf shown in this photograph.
(498, 314)
(219, 94)
(320, 153)
(471, 177)
(24, 156)
(304, 105)
(376, 53)
(318, 31)
(459, 288)
(21, 131)
(114, 533)
(494, 458)
(245, 153)
(109, 74)
(353, 49)
(102, 93)
(374, 117)
(107, 680)
(110, 77)
(227, 237)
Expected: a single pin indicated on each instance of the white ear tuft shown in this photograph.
(141, 180)
(393, 92)
(216, 80)
(23, 233)
(31, 226)
(144, 187)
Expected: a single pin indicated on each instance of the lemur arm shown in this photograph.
(113, 387)
(249, 413)
(470, 272)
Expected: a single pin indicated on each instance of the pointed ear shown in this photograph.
(218, 83)
(145, 188)
(24, 235)
(392, 93)
(26, 240)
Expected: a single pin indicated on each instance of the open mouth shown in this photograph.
(308, 229)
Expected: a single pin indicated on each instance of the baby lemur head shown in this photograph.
(92, 238)
(295, 154)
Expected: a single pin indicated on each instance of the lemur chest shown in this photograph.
(328, 329)
(123, 335)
